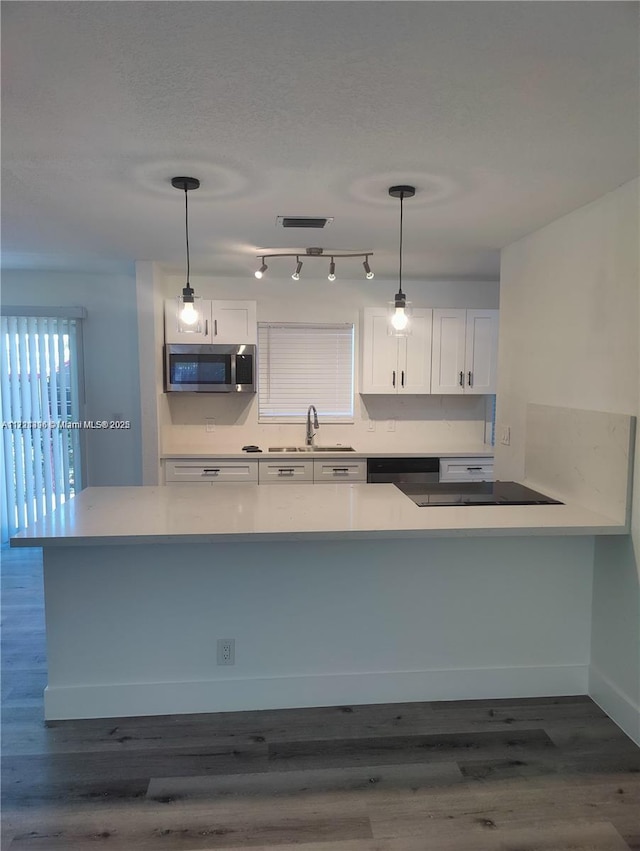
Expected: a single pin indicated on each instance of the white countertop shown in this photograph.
(480, 450)
(245, 512)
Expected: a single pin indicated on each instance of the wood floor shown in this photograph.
(547, 774)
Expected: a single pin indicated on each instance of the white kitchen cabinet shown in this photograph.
(466, 469)
(339, 470)
(285, 471)
(396, 365)
(222, 322)
(465, 351)
(210, 470)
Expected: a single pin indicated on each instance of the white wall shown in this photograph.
(569, 330)
(422, 423)
(316, 623)
(110, 360)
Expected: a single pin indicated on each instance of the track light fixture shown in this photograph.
(260, 272)
(399, 318)
(317, 252)
(296, 274)
(189, 317)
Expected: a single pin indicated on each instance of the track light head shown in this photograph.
(367, 269)
(296, 274)
(262, 269)
(332, 271)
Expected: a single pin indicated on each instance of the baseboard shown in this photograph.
(618, 705)
(237, 694)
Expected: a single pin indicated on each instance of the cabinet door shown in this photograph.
(173, 331)
(339, 470)
(285, 472)
(210, 470)
(481, 351)
(379, 354)
(448, 364)
(234, 322)
(414, 354)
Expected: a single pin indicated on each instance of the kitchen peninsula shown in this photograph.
(333, 594)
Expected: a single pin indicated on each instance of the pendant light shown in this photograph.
(189, 316)
(399, 324)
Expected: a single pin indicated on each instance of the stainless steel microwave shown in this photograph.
(197, 368)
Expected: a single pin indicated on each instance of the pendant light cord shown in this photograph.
(186, 227)
(400, 270)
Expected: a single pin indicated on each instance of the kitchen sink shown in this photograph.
(311, 449)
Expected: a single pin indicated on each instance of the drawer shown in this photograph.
(209, 471)
(286, 472)
(339, 470)
(466, 469)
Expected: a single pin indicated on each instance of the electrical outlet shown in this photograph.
(371, 425)
(391, 425)
(505, 436)
(226, 651)
(210, 424)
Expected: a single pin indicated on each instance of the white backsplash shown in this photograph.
(421, 423)
(583, 456)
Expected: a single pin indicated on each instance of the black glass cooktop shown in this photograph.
(474, 493)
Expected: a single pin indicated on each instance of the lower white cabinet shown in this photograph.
(339, 470)
(285, 471)
(466, 469)
(210, 471)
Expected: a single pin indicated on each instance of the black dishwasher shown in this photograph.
(403, 470)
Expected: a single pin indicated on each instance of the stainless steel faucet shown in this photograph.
(311, 434)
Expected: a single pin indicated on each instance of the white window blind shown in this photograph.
(39, 458)
(302, 365)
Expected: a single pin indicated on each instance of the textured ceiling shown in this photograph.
(504, 115)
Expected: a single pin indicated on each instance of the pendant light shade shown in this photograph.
(189, 311)
(400, 309)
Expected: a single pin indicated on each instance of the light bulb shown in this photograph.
(189, 315)
(399, 319)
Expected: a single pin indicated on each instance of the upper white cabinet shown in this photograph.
(396, 364)
(465, 351)
(223, 322)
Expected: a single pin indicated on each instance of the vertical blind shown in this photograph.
(39, 457)
(302, 365)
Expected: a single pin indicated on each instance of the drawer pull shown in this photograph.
(282, 471)
(474, 468)
(207, 470)
(340, 469)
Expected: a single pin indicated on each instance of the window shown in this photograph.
(303, 364)
(40, 459)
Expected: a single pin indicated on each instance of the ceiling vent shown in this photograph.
(303, 221)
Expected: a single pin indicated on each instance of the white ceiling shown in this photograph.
(504, 115)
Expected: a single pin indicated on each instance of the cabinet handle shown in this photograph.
(470, 379)
(402, 379)
(214, 470)
(215, 327)
(206, 327)
(285, 470)
(474, 468)
(394, 378)
(340, 469)
(461, 379)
